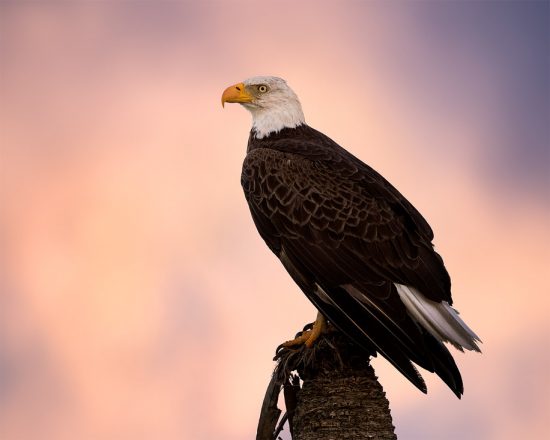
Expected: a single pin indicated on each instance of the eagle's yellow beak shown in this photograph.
(236, 93)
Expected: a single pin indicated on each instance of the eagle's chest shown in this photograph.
(268, 172)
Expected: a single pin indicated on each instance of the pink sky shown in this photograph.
(137, 300)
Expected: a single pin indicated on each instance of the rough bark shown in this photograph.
(340, 396)
(346, 403)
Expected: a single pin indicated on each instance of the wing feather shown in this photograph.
(341, 214)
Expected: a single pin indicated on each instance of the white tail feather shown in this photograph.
(440, 319)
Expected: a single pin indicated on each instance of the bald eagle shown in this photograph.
(359, 250)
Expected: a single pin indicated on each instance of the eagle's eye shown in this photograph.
(262, 88)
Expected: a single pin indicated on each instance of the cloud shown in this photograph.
(140, 301)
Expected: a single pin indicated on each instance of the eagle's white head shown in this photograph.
(271, 101)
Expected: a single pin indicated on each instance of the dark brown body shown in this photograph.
(346, 235)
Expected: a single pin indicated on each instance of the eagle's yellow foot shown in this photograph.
(309, 337)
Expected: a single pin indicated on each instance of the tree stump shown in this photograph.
(331, 393)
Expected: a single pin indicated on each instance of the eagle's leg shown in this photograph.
(310, 336)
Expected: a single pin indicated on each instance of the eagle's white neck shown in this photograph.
(275, 117)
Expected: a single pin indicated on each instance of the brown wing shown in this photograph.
(316, 203)
(346, 242)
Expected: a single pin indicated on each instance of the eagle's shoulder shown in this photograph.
(315, 156)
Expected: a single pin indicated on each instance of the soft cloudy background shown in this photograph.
(137, 300)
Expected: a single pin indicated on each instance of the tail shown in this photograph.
(439, 319)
